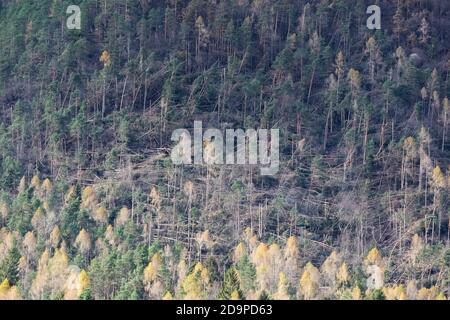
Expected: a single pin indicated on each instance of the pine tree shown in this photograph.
(231, 286)
(4, 212)
(261, 260)
(88, 198)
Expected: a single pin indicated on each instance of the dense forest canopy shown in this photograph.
(91, 206)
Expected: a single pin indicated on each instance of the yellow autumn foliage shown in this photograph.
(235, 296)
(100, 215)
(83, 241)
(283, 286)
(22, 185)
(195, 284)
(152, 269)
(76, 283)
(356, 293)
(70, 193)
(35, 182)
(291, 248)
(9, 293)
(374, 257)
(309, 282)
(123, 216)
(438, 179)
(396, 292)
(47, 186)
(428, 293)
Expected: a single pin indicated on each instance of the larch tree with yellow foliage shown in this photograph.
(291, 258)
(153, 282)
(7, 292)
(439, 184)
(51, 275)
(231, 287)
(309, 282)
(196, 284)
(122, 217)
(4, 212)
(76, 284)
(105, 58)
(374, 265)
(261, 260)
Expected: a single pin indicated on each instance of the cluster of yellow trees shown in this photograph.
(256, 269)
(278, 275)
(7, 292)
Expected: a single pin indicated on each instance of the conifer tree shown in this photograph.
(83, 242)
(231, 286)
(9, 265)
(122, 217)
(309, 282)
(153, 277)
(7, 292)
(168, 296)
(374, 264)
(291, 258)
(283, 287)
(4, 212)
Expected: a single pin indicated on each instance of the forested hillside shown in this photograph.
(92, 207)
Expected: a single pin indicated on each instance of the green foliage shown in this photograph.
(247, 273)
